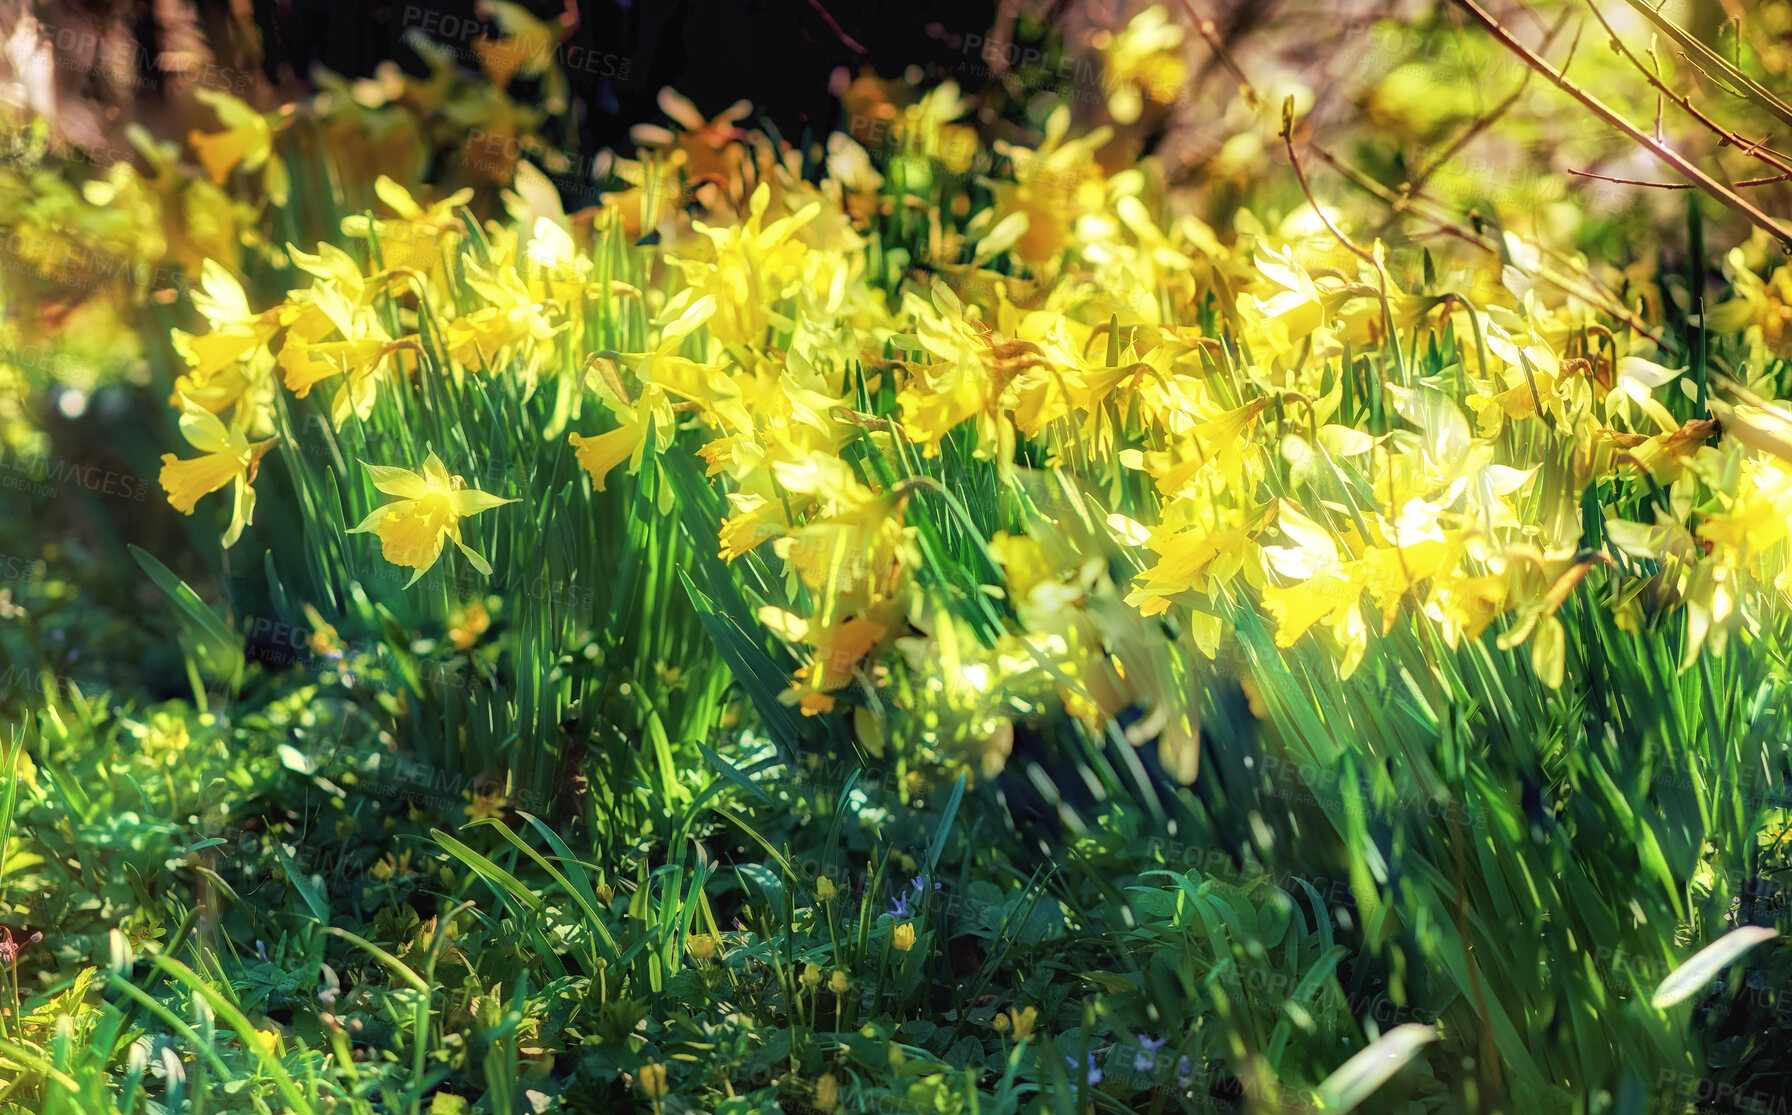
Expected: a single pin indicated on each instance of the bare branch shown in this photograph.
(1206, 29)
(1599, 108)
(1755, 150)
(1677, 185)
(1699, 54)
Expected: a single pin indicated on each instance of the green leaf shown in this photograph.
(1358, 1078)
(1686, 980)
(214, 629)
(938, 843)
(320, 909)
(489, 871)
(734, 774)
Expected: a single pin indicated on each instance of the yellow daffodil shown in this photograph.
(838, 649)
(247, 141)
(526, 47)
(237, 334)
(1054, 185)
(652, 1079)
(227, 457)
(599, 454)
(1143, 62)
(511, 323)
(702, 150)
(416, 236)
(414, 529)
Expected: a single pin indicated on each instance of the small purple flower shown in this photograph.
(1094, 1070)
(900, 909)
(1143, 1061)
(1183, 1072)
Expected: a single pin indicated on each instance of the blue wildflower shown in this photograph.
(1094, 1070)
(1143, 1061)
(900, 908)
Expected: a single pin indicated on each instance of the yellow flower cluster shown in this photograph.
(1252, 417)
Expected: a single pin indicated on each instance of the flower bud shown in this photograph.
(1023, 1022)
(652, 1079)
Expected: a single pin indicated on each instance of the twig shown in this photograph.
(1631, 181)
(1599, 108)
(1677, 185)
(1447, 227)
(1481, 124)
(1754, 150)
(844, 38)
(1207, 31)
(1749, 88)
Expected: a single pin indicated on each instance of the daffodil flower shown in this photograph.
(599, 455)
(526, 48)
(415, 238)
(238, 333)
(247, 141)
(662, 374)
(226, 457)
(414, 529)
(510, 323)
(1054, 185)
(1144, 61)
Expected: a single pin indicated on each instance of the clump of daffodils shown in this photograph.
(1166, 423)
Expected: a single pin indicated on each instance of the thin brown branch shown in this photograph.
(1631, 181)
(1208, 32)
(1754, 150)
(1287, 138)
(1485, 120)
(845, 39)
(1733, 75)
(1677, 185)
(1480, 124)
(1611, 116)
(1445, 226)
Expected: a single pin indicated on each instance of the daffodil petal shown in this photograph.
(393, 481)
(435, 473)
(471, 501)
(473, 556)
(373, 518)
(186, 482)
